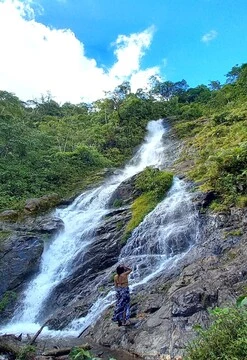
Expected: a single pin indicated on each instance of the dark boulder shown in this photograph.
(19, 259)
(125, 194)
(48, 225)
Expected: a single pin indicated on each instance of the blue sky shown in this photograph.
(195, 40)
(180, 25)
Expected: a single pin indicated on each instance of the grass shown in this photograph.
(218, 150)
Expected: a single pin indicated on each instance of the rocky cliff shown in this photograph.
(210, 273)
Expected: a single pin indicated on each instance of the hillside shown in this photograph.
(46, 147)
(53, 152)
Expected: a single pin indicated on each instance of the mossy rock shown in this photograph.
(9, 215)
(153, 185)
(4, 235)
(43, 203)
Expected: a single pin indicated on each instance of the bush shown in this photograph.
(154, 180)
(188, 128)
(27, 352)
(153, 184)
(225, 339)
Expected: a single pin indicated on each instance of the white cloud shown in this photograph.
(129, 51)
(140, 78)
(211, 35)
(36, 59)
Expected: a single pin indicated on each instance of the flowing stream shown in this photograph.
(159, 241)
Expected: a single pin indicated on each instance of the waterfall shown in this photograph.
(159, 242)
(169, 230)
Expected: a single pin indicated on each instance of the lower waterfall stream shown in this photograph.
(159, 241)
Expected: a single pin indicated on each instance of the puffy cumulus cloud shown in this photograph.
(211, 35)
(36, 58)
(140, 79)
(129, 51)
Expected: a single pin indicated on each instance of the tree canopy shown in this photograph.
(47, 147)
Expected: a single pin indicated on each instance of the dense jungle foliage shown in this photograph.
(48, 147)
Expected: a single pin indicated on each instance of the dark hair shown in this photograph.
(120, 269)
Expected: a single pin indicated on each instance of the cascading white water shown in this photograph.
(158, 243)
(80, 219)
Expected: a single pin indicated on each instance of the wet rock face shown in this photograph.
(125, 194)
(213, 273)
(21, 247)
(75, 295)
(19, 259)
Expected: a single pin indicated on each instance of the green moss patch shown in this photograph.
(6, 299)
(154, 185)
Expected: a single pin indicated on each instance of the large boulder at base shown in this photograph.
(43, 203)
(213, 273)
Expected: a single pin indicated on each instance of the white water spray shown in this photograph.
(80, 220)
(158, 243)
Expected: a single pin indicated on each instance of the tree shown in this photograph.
(118, 95)
(233, 74)
(200, 93)
(214, 85)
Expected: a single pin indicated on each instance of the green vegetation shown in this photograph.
(153, 185)
(6, 299)
(216, 140)
(81, 354)
(27, 352)
(235, 232)
(46, 147)
(4, 234)
(225, 339)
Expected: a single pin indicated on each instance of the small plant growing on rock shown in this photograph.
(81, 354)
(6, 299)
(27, 353)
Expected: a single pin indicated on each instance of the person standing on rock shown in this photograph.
(122, 308)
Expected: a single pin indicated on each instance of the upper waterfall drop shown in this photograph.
(81, 218)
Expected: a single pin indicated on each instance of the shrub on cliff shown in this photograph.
(153, 185)
(225, 339)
